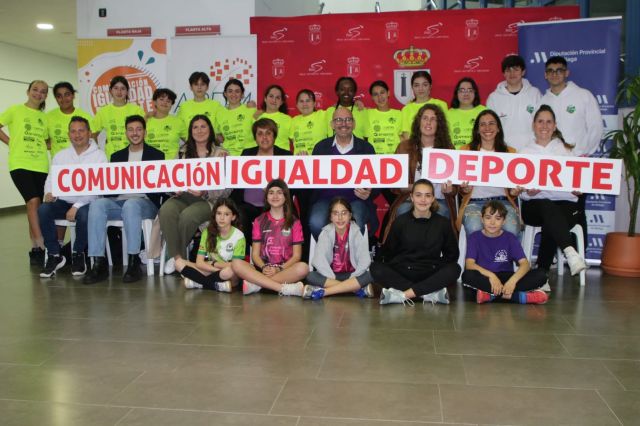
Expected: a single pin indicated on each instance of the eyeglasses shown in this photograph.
(345, 120)
(340, 213)
(466, 91)
(556, 71)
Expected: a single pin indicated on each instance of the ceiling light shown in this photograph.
(43, 26)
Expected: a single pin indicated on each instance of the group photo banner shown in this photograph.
(330, 171)
(505, 170)
(312, 52)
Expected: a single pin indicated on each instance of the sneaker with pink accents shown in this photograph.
(249, 288)
(537, 297)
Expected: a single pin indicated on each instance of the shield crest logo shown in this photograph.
(277, 69)
(315, 35)
(391, 32)
(472, 30)
(353, 66)
(402, 85)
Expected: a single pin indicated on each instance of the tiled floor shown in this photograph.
(153, 353)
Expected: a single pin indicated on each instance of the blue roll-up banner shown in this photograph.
(592, 50)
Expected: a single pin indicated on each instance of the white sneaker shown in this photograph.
(294, 289)
(170, 266)
(191, 284)
(391, 295)
(575, 261)
(249, 288)
(546, 287)
(224, 286)
(440, 296)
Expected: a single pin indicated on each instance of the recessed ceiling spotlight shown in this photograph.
(43, 26)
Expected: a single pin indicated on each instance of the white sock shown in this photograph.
(570, 251)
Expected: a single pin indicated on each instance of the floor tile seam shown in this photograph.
(579, 358)
(557, 388)
(124, 320)
(561, 356)
(476, 332)
(275, 400)
(307, 341)
(322, 363)
(440, 404)
(128, 385)
(124, 416)
(609, 407)
(636, 336)
(378, 420)
(624, 388)
(367, 382)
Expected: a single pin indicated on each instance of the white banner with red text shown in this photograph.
(330, 171)
(505, 170)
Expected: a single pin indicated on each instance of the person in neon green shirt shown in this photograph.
(28, 159)
(307, 128)
(233, 123)
(274, 106)
(384, 125)
(59, 118)
(165, 131)
(200, 104)
(111, 117)
(465, 107)
(421, 84)
(346, 88)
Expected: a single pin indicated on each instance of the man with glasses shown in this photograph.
(515, 101)
(361, 199)
(577, 112)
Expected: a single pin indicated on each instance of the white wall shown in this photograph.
(163, 15)
(20, 67)
(357, 6)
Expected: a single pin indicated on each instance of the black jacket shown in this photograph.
(149, 153)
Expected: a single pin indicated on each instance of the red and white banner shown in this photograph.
(555, 173)
(322, 171)
(138, 177)
(314, 51)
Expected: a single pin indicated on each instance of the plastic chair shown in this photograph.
(146, 234)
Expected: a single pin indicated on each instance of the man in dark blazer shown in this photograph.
(361, 199)
(130, 208)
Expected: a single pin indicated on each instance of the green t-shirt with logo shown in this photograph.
(411, 109)
(165, 134)
(360, 130)
(112, 118)
(58, 123)
(384, 129)
(308, 130)
(229, 248)
(28, 135)
(189, 109)
(235, 126)
(284, 128)
(461, 124)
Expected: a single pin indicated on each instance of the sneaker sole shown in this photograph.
(58, 266)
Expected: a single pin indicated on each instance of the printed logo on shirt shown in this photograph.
(530, 109)
(571, 109)
(241, 117)
(286, 232)
(229, 247)
(310, 125)
(501, 256)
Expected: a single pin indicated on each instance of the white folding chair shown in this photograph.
(146, 235)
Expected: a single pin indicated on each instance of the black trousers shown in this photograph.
(556, 219)
(422, 281)
(208, 281)
(533, 279)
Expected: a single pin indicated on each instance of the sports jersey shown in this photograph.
(58, 126)
(461, 122)
(232, 247)
(283, 122)
(189, 109)
(307, 130)
(165, 134)
(235, 126)
(27, 138)
(411, 109)
(276, 243)
(384, 129)
(112, 118)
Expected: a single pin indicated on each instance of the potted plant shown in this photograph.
(621, 253)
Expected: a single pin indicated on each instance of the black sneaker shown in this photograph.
(78, 265)
(98, 272)
(36, 257)
(53, 264)
(133, 272)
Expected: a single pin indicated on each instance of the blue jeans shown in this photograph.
(472, 219)
(48, 213)
(443, 210)
(319, 215)
(131, 212)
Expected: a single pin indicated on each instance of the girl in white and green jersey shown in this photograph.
(28, 159)
(111, 118)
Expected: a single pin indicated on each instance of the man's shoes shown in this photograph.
(78, 264)
(36, 256)
(54, 262)
(133, 272)
(98, 272)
